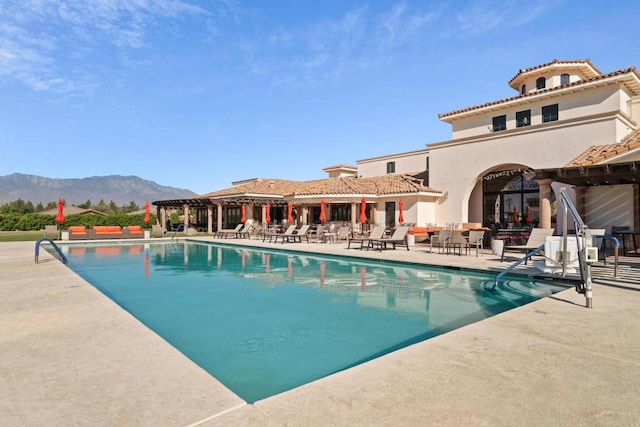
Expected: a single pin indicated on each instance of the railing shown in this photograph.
(514, 265)
(45, 239)
(180, 227)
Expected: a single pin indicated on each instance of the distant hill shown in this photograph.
(120, 189)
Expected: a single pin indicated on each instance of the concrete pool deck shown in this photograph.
(69, 355)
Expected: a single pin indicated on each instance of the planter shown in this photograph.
(147, 234)
(411, 239)
(65, 235)
(496, 246)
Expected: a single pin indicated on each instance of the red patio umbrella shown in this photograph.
(515, 214)
(401, 214)
(147, 217)
(289, 212)
(267, 215)
(60, 216)
(244, 214)
(363, 210)
(528, 215)
(323, 215)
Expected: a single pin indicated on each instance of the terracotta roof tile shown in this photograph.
(555, 61)
(346, 185)
(598, 153)
(542, 91)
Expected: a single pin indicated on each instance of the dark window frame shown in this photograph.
(564, 79)
(523, 118)
(391, 167)
(523, 90)
(541, 83)
(499, 123)
(550, 113)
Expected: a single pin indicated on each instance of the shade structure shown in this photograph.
(363, 210)
(528, 215)
(515, 214)
(147, 216)
(401, 211)
(267, 214)
(289, 212)
(323, 215)
(60, 216)
(243, 208)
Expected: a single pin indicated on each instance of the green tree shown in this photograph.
(85, 205)
(113, 208)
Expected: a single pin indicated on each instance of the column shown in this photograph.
(186, 218)
(163, 215)
(545, 202)
(219, 226)
(304, 213)
(210, 219)
(354, 215)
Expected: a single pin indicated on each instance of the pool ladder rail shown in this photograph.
(63, 258)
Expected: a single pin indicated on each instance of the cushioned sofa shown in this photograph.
(78, 232)
(107, 232)
(133, 232)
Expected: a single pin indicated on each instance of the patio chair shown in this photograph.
(302, 233)
(245, 232)
(535, 240)
(274, 236)
(439, 240)
(158, 230)
(223, 234)
(455, 241)
(50, 231)
(317, 235)
(376, 233)
(476, 239)
(398, 238)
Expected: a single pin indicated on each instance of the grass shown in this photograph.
(21, 236)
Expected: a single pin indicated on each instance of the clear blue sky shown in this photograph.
(196, 94)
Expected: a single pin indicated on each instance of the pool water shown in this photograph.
(263, 322)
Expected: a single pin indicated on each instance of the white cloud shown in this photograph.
(44, 43)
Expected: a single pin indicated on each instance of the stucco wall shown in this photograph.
(415, 161)
(607, 206)
(455, 166)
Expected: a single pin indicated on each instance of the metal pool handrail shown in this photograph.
(515, 264)
(44, 239)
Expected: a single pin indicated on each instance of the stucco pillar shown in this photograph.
(545, 202)
(374, 214)
(163, 214)
(263, 219)
(354, 214)
(210, 219)
(219, 225)
(304, 215)
(186, 218)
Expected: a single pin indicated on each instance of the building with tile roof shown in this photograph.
(507, 157)
(568, 125)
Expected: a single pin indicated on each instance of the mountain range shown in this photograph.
(119, 189)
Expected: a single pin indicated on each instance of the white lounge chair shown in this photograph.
(376, 233)
(535, 240)
(398, 238)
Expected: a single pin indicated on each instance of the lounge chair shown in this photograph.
(223, 234)
(274, 236)
(535, 240)
(317, 235)
(398, 238)
(245, 232)
(376, 233)
(302, 233)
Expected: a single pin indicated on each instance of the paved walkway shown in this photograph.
(70, 356)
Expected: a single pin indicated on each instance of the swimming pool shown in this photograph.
(265, 321)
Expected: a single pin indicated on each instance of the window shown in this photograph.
(564, 79)
(541, 83)
(426, 175)
(523, 118)
(391, 167)
(499, 123)
(523, 90)
(550, 113)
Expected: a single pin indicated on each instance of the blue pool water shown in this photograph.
(263, 322)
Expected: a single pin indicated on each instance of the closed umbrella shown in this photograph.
(528, 215)
(289, 212)
(147, 216)
(515, 214)
(363, 211)
(401, 213)
(244, 214)
(323, 216)
(60, 216)
(267, 215)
